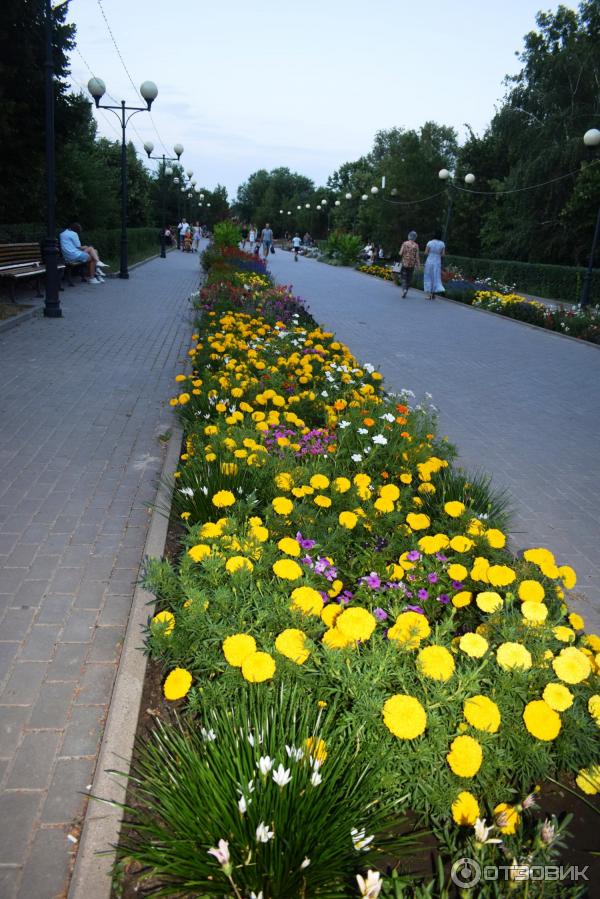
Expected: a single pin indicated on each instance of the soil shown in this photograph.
(7, 310)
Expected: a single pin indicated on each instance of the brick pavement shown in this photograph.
(82, 406)
(519, 403)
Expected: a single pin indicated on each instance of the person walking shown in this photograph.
(183, 232)
(409, 261)
(266, 237)
(195, 237)
(252, 235)
(432, 273)
(244, 236)
(296, 242)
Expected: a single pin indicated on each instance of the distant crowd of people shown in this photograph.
(409, 256)
(185, 236)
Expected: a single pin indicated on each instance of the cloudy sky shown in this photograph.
(303, 84)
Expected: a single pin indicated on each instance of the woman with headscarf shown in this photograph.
(409, 259)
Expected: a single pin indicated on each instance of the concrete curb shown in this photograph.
(91, 877)
(15, 320)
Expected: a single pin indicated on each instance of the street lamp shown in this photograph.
(167, 171)
(591, 138)
(149, 92)
(444, 175)
(50, 249)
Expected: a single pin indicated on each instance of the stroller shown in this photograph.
(187, 242)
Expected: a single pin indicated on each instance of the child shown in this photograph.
(296, 245)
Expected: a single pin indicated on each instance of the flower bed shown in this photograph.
(379, 271)
(332, 550)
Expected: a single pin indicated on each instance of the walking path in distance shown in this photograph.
(519, 403)
(83, 404)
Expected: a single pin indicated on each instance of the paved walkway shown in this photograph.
(519, 403)
(82, 406)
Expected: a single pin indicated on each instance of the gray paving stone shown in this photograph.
(12, 578)
(30, 593)
(54, 609)
(24, 683)
(90, 594)
(67, 662)
(115, 611)
(80, 626)
(43, 567)
(34, 761)
(21, 810)
(96, 684)
(67, 580)
(53, 705)
(106, 644)
(82, 736)
(16, 623)
(47, 868)
(40, 643)
(13, 720)
(65, 802)
(21, 556)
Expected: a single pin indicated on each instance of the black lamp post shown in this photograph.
(149, 92)
(444, 175)
(178, 150)
(591, 138)
(50, 249)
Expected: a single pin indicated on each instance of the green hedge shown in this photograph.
(106, 240)
(555, 282)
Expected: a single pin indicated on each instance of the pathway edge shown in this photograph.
(91, 877)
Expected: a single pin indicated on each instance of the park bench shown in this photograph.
(19, 261)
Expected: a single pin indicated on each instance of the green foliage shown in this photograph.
(214, 778)
(343, 247)
(260, 198)
(226, 234)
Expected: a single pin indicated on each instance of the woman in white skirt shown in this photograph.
(432, 273)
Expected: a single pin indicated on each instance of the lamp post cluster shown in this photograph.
(164, 173)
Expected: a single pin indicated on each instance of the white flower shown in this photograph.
(362, 431)
(324, 393)
(359, 838)
(221, 852)
(380, 439)
(254, 895)
(187, 491)
(356, 457)
(242, 805)
(208, 735)
(371, 887)
(282, 776)
(265, 764)
(263, 834)
(387, 416)
(294, 753)
(368, 367)
(205, 491)
(251, 786)
(482, 833)
(305, 863)
(315, 778)
(343, 424)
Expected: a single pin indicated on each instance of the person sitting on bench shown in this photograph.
(74, 254)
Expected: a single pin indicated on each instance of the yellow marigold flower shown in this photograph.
(534, 612)
(199, 552)
(506, 817)
(177, 684)
(258, 667)
(342, 485)
(260, 533)
(330, 612)
(319, 482)
(356, 624)
(426, 487)
(465, 809)
(418, 521)
(409, 629)
(282, 505)
(465, 756)
(461, 544)
(223, 498)
(593, 641)
(454, 508)
(588, 780)
(212, 529)
(237, 647)
(384, 505)
(482, 713)
(211, 430)
(334, 639)
(495, 538)
(287, 569)
(284, 481)
(473, 645)
(165, 618)
(457, 572)
(323, 502)
(406, 478)
(316, 748)
(183, 398)
(361, 479)
(461, 599)
(404, 716)
(435, 662)
(572, 666)
(541, 720)
(500, 575)
(513, 655)
(292, 644)
(290, 546)
(594, 708)
(238, 563)
(489, 601)
(475, 527)
(348, 520)
(335, 588)
(539, 556)
(479, 571)
(576, 621)
(558, 697)
(531, 591)
(563, 633)
(181, 377)
(390, 492)
(568, 576)
(307, 600)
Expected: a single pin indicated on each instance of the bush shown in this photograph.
(226, 234)
(343, 247)
(106, 240)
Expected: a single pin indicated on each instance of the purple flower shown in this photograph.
(304, 542)
(380, 614)
(422, 593)
(441, 557)
(321, 565)
(307, 560)
(416, 609)
(443, 597)
(414, 555)
(432, 578)
(457, 585)
(411, 577)
(372, 580)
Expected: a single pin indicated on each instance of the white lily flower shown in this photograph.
(356, 457)
(208, 735)
(315, 778)
(187, 491)
(263, 834)
(368, 367)
(265, 763)
(362, 431)
(282, 776)
(254, 895)
(221, 852)
(343, 424)
(242, 805)
(359, 838)
(294, 753)
(371, 887)
(305, 863)
(387, 416)
(482, 833)
(379, 439)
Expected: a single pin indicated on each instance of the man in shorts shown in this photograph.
(73, 253)
(267, 239)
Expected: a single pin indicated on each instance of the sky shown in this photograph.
(303, 84)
